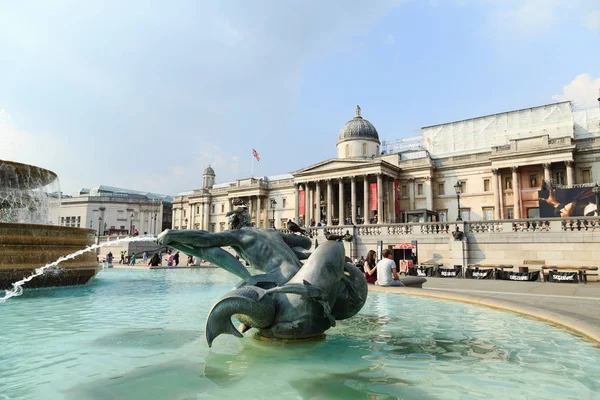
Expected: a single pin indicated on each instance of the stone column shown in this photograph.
(341, 216)
(250, 207)
(389, 199)
(428, 193)
(258, 225)
(516, 192)
(353, 199)
(570, 178)
(497, 194)
(411, 193)
(192, 216)
(307, 205)
(297, 208)
(380, 199)
(318, 202)
(231, 205)
(329, 201)
(547, 172)
(366, 200)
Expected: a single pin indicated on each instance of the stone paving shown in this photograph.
(573, 306)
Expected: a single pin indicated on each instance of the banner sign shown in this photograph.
(302, 202)
(518, 276)
(477, 273)
(421, 271)
(573, 202)
(448, 273)
(373, 196)
(396, 199)
(563, 277)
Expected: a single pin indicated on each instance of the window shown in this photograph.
(197, 209)
(222, 226)
(419, 189)
(441, 190)
(404, 191)
(183, 213)
(464, 187)
(508, 183)
(283, 205)
(510, 214)
(213, 227)
(222, 208)
(364, 149)
(488, 213)
(486, 185)
(347, 150)
(533, 212)
(212, 209)
(586, 176)
(122, 227)
(465, 214)
(532, 181)
(559, 177)
(443, 215)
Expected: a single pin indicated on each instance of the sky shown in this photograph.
(146, 94)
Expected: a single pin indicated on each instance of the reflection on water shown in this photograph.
(140, 335)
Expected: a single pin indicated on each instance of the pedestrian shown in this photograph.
(145, 257)
(122, 257)
(386, 270)
(155, 260)
(370, 267)
(133, 259)
(176, 258)
(170, 256)
(190, 260)
(109, 258)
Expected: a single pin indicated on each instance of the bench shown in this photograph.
(489, 266)
(582, 271)
(431, 264)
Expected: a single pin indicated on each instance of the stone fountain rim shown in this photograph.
(44, 175)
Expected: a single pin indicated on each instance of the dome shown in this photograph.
(209, 171)
(358, 129)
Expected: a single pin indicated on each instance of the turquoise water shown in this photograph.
(139, 334)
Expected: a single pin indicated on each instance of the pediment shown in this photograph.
(336, 165)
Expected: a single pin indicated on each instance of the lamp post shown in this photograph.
(99, 224)
(131, 225)
(155, 217)
(273, 204)
(458, 188)
(91, 224)
(596, 191)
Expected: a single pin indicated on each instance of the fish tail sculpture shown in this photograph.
(248, 304)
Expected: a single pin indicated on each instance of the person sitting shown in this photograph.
(370, 267)
(386, 270)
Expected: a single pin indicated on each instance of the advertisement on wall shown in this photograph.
(302, 202)
(373, 196)
(572, 202)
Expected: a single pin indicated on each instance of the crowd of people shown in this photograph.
(170, 257)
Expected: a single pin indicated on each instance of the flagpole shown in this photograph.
(252, 166)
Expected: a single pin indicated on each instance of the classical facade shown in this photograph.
(114, 211)
(501, 162)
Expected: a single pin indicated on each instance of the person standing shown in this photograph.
(176, 258)
(386, 270)
(170, 256)
(155, 260)
(145, 257)
(133, 259)
(109, 258)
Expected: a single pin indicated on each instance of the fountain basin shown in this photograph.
(25, 247)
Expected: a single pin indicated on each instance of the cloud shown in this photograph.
(582, 91)
(592, 21)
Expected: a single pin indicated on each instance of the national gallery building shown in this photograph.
(497, 163)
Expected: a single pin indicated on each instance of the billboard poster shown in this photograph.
(302, 201)
(373, 196)
(572, 202)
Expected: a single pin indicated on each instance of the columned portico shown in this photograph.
(329, 202)
(258, 211)
(341, 216)
(570, 178)
(318, 202)
(497, 193)
(380, 199)
(353, 199)
(366, 200)
(516, 192)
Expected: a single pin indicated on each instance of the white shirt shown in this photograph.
(384, 271)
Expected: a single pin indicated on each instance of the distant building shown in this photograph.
(114, 211)
(500, 160)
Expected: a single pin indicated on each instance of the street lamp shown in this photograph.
(458, 189)
(155, 217)
(99, 224)
(596, 190)
(131, 225)
(91, 224)
(273, 204)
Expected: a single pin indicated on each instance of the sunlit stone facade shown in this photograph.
(501, 160)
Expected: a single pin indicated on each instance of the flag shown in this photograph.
(255, 154)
